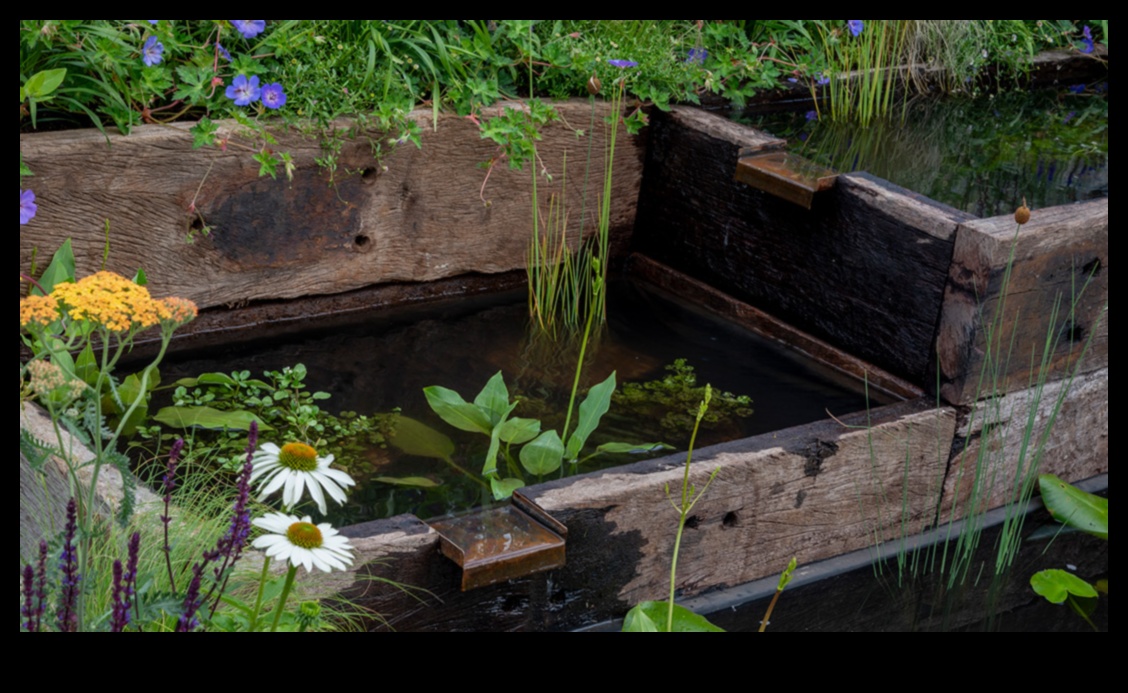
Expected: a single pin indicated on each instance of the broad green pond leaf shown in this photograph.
(416, 438)
(413, 481)
(1055, 585)
(1073, 507)
(493, 400)
(543, 455)
(504, 488)
(685, 621)
(592, 409)
(516, 431)
(207, 417)
(637, 621)
(632, 448)
(456, 411)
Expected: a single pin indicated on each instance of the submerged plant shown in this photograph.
(674, 398)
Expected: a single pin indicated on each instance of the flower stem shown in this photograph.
(258, 597)
(282, 598)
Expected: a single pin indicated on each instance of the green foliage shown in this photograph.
(543, 452)
(1073, 507)
(673, 399)
(650, 617)
(218, 408)
(1083, 511)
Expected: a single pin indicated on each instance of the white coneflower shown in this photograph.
(293, 467)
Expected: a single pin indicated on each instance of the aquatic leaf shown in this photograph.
(489, 467)
(206, 417)
(1073, 507)
(632, 448)
(416, 438)
(543, 455)
(516, 431)
(493, 400)
(413, 481)
(216, 379)
(1055, 585)
(592, 410)
(637, 621)
(685, 621)
(504, 488)
(456, 411)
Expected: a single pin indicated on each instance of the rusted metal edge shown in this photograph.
(721, 304)
(786, 176)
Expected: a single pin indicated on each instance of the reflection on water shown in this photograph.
(981, 155)
(382, 360)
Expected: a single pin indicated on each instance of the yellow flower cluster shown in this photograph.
(106, 299)
(40, 311)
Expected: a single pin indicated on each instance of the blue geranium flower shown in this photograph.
(273, 97)
(856, 26)
(244, 91)
(623, 63)
(153, 52)
(28, 207)
(249, 28)
(697, 56)
(1087, 40)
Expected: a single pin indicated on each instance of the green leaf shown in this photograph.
(206, 417)
(504, 488)
(631, 448)
(637, 621)
(592, 410)
(86, 365)
(685, 621)
(494, 399)
(1073, 507)
(516, 431)
(203, 133)
(489, 467)
(60, 270)
(213, 379)
(1055, 585)
(451, 408)
(543, 455)
(43, 84)
(416, 438)
(412, 481)
(139, 277)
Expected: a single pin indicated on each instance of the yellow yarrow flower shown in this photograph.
(38, 311)
(118, 304)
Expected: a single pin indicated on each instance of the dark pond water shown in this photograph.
(981, 155)
(376, 362)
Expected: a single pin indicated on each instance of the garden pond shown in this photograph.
(978, 154)
(379, 361)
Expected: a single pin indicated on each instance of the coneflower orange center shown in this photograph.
(304, 534)
(299, 457)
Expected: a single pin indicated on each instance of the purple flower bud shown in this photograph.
(68, 564)
(622, 63)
